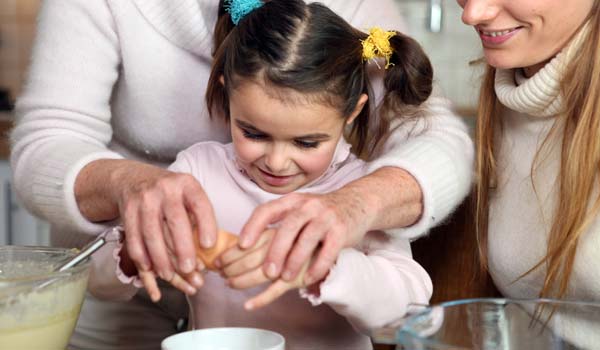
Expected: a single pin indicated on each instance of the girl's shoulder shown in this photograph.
(208, 151)
(204, 158)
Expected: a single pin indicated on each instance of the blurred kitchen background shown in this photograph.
(434, 23)
(17, 29)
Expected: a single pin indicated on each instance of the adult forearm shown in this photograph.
(390, 198)
(94, 187)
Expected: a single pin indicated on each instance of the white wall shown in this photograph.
(449, 50)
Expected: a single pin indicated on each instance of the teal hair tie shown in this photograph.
(238, 9)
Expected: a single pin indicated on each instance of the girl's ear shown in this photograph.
(362, 100)
(222, 80)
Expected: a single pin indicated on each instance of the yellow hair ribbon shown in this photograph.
(377, 44)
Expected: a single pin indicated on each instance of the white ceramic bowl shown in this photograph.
(228, 338)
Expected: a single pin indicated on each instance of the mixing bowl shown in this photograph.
(39, 307)
(227, 338)
(502, 324)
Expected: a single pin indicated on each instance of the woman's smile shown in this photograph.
(491, 37)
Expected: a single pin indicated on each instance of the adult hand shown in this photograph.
(389, 197)
(305, 223)
(158, 207)
(187, 283)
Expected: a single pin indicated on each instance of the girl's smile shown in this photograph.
(275, 180)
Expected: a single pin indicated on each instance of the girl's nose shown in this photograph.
(478, 11)
(277, 159)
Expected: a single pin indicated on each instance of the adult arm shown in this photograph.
(63, 115)
(64, 171)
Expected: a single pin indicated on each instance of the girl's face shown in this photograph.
(282, 145)
(524, 33)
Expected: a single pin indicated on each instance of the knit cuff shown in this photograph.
(52, 186)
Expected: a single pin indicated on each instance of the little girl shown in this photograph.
(293, 79)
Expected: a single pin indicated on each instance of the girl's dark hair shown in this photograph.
(310, 49)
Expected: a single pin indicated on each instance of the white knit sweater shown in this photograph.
(520, 218)
(126, 78)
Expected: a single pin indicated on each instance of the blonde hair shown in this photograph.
(577, 202)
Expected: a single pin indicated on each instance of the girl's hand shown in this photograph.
(243, 269)
(277, 289)
(305, 223)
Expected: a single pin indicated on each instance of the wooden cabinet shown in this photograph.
(450, 256)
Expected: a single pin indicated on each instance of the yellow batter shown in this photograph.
(42, 319)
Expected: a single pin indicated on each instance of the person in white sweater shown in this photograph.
(114, 92)
(538, 146)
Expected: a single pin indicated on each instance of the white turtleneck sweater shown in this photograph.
(521, 215)
(126, 78)
(522, 208)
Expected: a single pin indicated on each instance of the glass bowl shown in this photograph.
(39, 307)
(503, 324)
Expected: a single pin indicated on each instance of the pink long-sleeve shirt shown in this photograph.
(371, 284)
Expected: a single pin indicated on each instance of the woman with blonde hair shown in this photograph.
(538, 138)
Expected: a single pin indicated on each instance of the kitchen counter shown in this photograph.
(6, 122)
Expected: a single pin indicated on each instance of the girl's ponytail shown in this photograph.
(409, 77)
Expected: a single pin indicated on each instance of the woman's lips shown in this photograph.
(275, 180)
(496, 37)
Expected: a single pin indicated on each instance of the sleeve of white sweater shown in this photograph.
(374, 285)
(438, 152)
(63, 115)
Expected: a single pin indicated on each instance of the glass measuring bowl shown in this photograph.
(35, 314)
(501, 324)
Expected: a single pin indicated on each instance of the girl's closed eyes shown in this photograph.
(310, 141)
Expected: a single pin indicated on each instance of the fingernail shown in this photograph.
(190, 290)
(272, 270)
(145, 266)
(187, 266)
(244, 242)
(287, 275)
(249, 306)
(200, 265)
(165, 275)
(309, 279)
(206, 241)
(198, 282)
